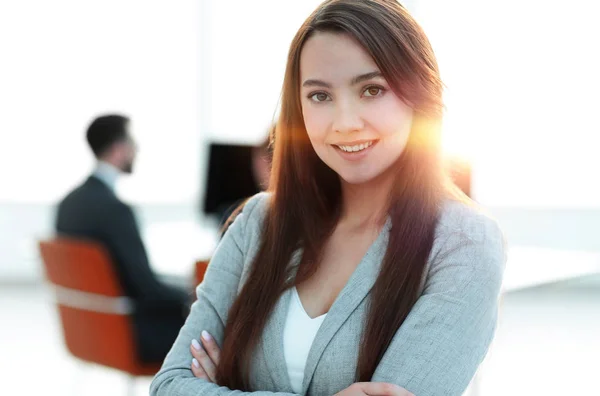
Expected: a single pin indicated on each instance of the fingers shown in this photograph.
(355, 389)
(383, 389)
(204, 362)
(211, 347)
(198, 371)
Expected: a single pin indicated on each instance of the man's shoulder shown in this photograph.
(91, 201)
(91, 189)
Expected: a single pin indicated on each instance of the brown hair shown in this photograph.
(306, 194)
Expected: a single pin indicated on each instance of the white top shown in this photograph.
(298, 335)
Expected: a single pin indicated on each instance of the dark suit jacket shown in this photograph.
(92, 211)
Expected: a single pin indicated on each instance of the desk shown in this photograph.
(174, 247)
(529, 266)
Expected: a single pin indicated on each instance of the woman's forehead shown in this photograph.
(336, 58)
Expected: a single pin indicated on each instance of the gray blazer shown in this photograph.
(436, 351)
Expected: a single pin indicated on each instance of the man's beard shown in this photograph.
(128, 168)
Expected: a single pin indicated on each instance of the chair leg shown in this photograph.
(130, 385)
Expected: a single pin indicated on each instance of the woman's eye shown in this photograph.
(373, 91)
(319, 97)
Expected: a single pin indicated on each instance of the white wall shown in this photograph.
(64, 61)
(249, 45)
(522, 96)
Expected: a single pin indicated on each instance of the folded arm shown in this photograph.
(216, 294)
(440, 345)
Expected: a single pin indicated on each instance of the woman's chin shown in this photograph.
(373, 176)
(356, 179)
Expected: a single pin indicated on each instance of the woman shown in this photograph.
(361, 271)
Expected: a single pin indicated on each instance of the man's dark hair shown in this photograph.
(105, 131)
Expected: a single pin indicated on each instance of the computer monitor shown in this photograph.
(230, 178)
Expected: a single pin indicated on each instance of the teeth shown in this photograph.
(358, 147)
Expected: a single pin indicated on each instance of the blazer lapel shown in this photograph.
(356, 290)
(272, 342)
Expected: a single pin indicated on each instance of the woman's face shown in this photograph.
(356, 124)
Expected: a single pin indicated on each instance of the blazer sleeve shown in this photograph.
(128, 249)
(215, 294)
(438, 348)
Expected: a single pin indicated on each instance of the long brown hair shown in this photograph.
(306, 195)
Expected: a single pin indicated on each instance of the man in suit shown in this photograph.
(92, 211)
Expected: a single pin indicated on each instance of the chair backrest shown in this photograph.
(80, 265)
(95, 315)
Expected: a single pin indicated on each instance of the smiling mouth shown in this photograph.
(356, 148)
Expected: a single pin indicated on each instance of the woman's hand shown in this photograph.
(374, 388)
(206, 357)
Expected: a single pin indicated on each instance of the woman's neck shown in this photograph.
(365, 205)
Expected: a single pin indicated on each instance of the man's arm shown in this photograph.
(126, 246)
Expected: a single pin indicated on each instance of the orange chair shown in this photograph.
(201, 266)
(95, 314)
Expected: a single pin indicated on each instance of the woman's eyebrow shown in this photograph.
(365, 77)
(316, 83)
(356, 80)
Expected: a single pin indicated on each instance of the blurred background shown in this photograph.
(522, 118)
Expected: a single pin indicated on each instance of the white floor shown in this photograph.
(33, 358)
(548, 343)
